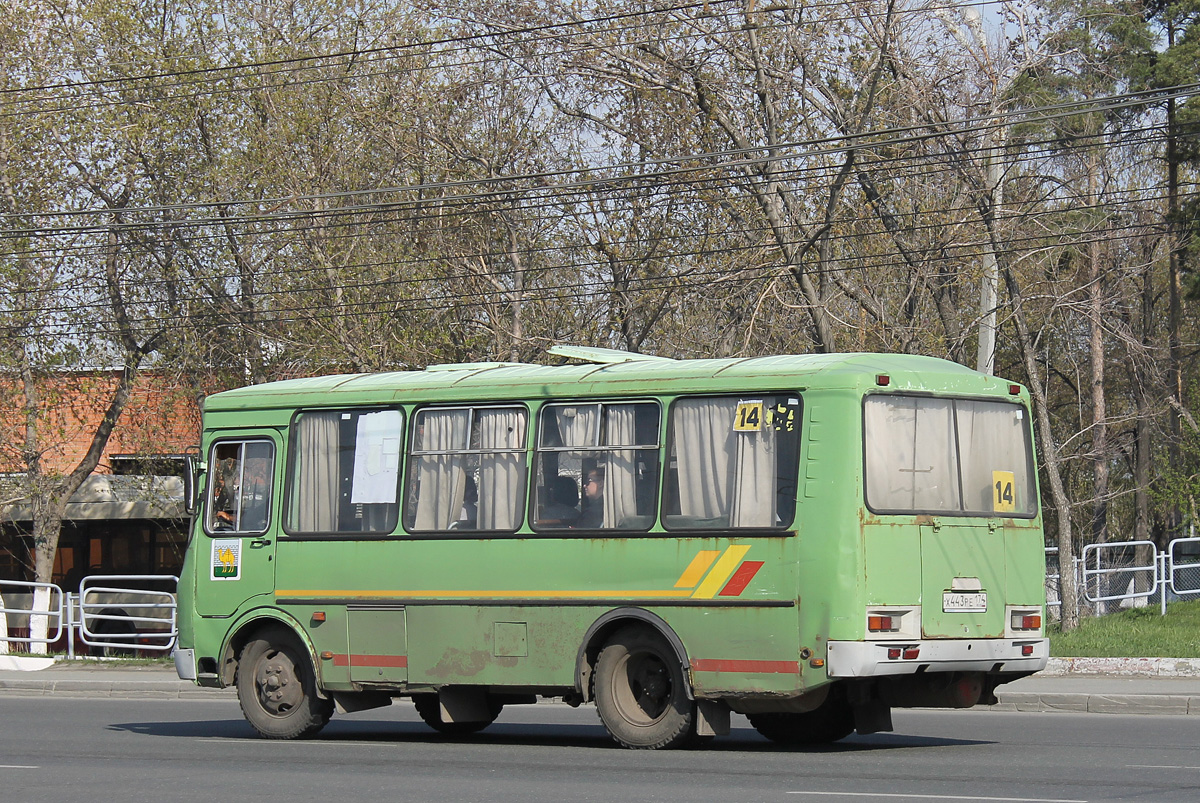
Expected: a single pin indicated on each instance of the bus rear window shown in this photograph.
(733, 462)
(950, 456)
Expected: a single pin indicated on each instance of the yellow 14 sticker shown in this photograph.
(749, 417)
(1003, 494)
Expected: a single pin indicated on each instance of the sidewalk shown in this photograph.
(1098, 686)
(105, 679)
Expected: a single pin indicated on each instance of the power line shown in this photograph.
(536, 182)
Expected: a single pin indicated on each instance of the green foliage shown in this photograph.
(1134, 633)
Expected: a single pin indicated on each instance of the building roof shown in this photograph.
(104, 497)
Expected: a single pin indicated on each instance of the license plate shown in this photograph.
(960, 602)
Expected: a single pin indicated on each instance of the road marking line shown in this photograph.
(943, 797)
(19, 767)
(1159, 767)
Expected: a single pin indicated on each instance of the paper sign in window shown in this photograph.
(377, 458)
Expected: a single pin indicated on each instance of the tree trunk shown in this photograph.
(1049, 453)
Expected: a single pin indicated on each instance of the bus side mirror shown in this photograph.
(191, 477)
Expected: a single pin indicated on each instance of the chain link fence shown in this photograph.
(1126, 574)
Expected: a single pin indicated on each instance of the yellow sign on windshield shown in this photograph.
(1003, 493)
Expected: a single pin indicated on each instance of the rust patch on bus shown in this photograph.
(460, 664)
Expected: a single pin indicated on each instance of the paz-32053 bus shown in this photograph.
(806, 540)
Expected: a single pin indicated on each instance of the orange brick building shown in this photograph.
(128, 517)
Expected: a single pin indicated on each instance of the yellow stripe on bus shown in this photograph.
(696, 569)
(721, 572)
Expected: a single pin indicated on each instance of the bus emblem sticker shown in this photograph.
(226, 559)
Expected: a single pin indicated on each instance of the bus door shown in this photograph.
(240, 520)
(962, 578)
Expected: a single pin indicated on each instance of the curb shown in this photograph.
(1073, 703)
(113, 689)
(1124, 667)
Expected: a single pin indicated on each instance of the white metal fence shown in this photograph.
(1128, 574)
(108, 615)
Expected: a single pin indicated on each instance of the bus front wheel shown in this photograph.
(641, 691)
(277, 688)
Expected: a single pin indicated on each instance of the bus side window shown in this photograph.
(467, 469)
(734, 462)
(242, 476)
(344, 474)
(597, 466)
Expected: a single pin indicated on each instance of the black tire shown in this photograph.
(831, 721)
(277, 688)
(641, 692)
(101, 628)
(430, 711)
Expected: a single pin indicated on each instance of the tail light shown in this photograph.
(1025, 621)
(883, 624)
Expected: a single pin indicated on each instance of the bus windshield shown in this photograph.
(948, 456)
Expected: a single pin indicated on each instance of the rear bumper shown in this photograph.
(861, 659)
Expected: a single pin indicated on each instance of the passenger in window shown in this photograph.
(561, 509)
(225, 494)
(592, 517)
(470, 509)
(256, 494)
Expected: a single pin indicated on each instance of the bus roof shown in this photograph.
(611, 374)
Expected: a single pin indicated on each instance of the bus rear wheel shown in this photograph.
(430, 711)
(832, 721)
(641, 691)
(277, 688)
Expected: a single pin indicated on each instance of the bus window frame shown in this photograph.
(669, 442)
(537, 448)
(410, 453)
(1030, 461)
(210, 485)
(290, 474)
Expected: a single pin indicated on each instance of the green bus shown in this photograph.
(806, 540)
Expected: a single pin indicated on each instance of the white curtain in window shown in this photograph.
(755, 480)
(991, 437)
(441, 479)
(704, 450)
(578, 425)
(501, 474)
(911, 464)
(620, 477)
(314, 501)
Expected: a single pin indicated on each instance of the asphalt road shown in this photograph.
(73, 749)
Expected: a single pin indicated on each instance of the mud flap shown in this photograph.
(872, 716)
(712, 718)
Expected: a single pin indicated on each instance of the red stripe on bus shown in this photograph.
(397, 661)
(741, 578)
(762, 667)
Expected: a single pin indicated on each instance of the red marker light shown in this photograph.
(1026, 650)
(911, 652)
(883, 380)
(893, 653)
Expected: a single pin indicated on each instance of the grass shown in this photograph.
(1133, 633)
